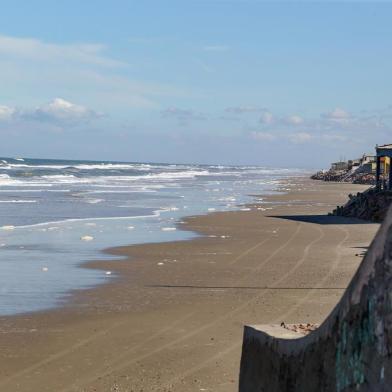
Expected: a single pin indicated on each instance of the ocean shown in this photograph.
(56, 215)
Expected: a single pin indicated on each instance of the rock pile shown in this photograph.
(370, 205)
(329, 175)
(355, 177)
(361, 178)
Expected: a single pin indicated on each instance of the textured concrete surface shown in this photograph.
(350, 351)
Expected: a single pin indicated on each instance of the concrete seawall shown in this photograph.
(350, 351)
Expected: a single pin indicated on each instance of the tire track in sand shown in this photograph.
(335, 265)
(236, 345)
(249, 250)
(292, 309)
(83, 343)
(119, 359)
(104, 372)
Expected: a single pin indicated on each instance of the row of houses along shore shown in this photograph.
(372, 169)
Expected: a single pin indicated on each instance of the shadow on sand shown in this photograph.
(169, 286)
(324, 219)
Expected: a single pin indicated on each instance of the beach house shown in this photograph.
(336, 166)
(383, 166)
(368, 163)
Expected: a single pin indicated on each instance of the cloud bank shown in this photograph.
(87, 71)
(59, 111)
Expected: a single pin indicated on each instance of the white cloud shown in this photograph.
(244, 109)
(333, 138)
(334, 127)
(63, 111)
(182, 115)
(294, 120)
(267, 118)
(337, 114)
(84, 71)
(300, 137)
(264, 136)
(58, 111)
(174, 111)
(6, 112)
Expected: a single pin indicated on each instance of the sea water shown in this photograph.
(56, 215)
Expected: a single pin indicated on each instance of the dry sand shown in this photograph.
(172, 317)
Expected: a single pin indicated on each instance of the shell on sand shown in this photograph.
(87, 238)
(8, 227)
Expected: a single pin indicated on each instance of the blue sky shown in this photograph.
(242, 82)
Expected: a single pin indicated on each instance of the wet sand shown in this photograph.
(172, 317)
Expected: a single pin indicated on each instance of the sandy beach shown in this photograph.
(172, 317)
